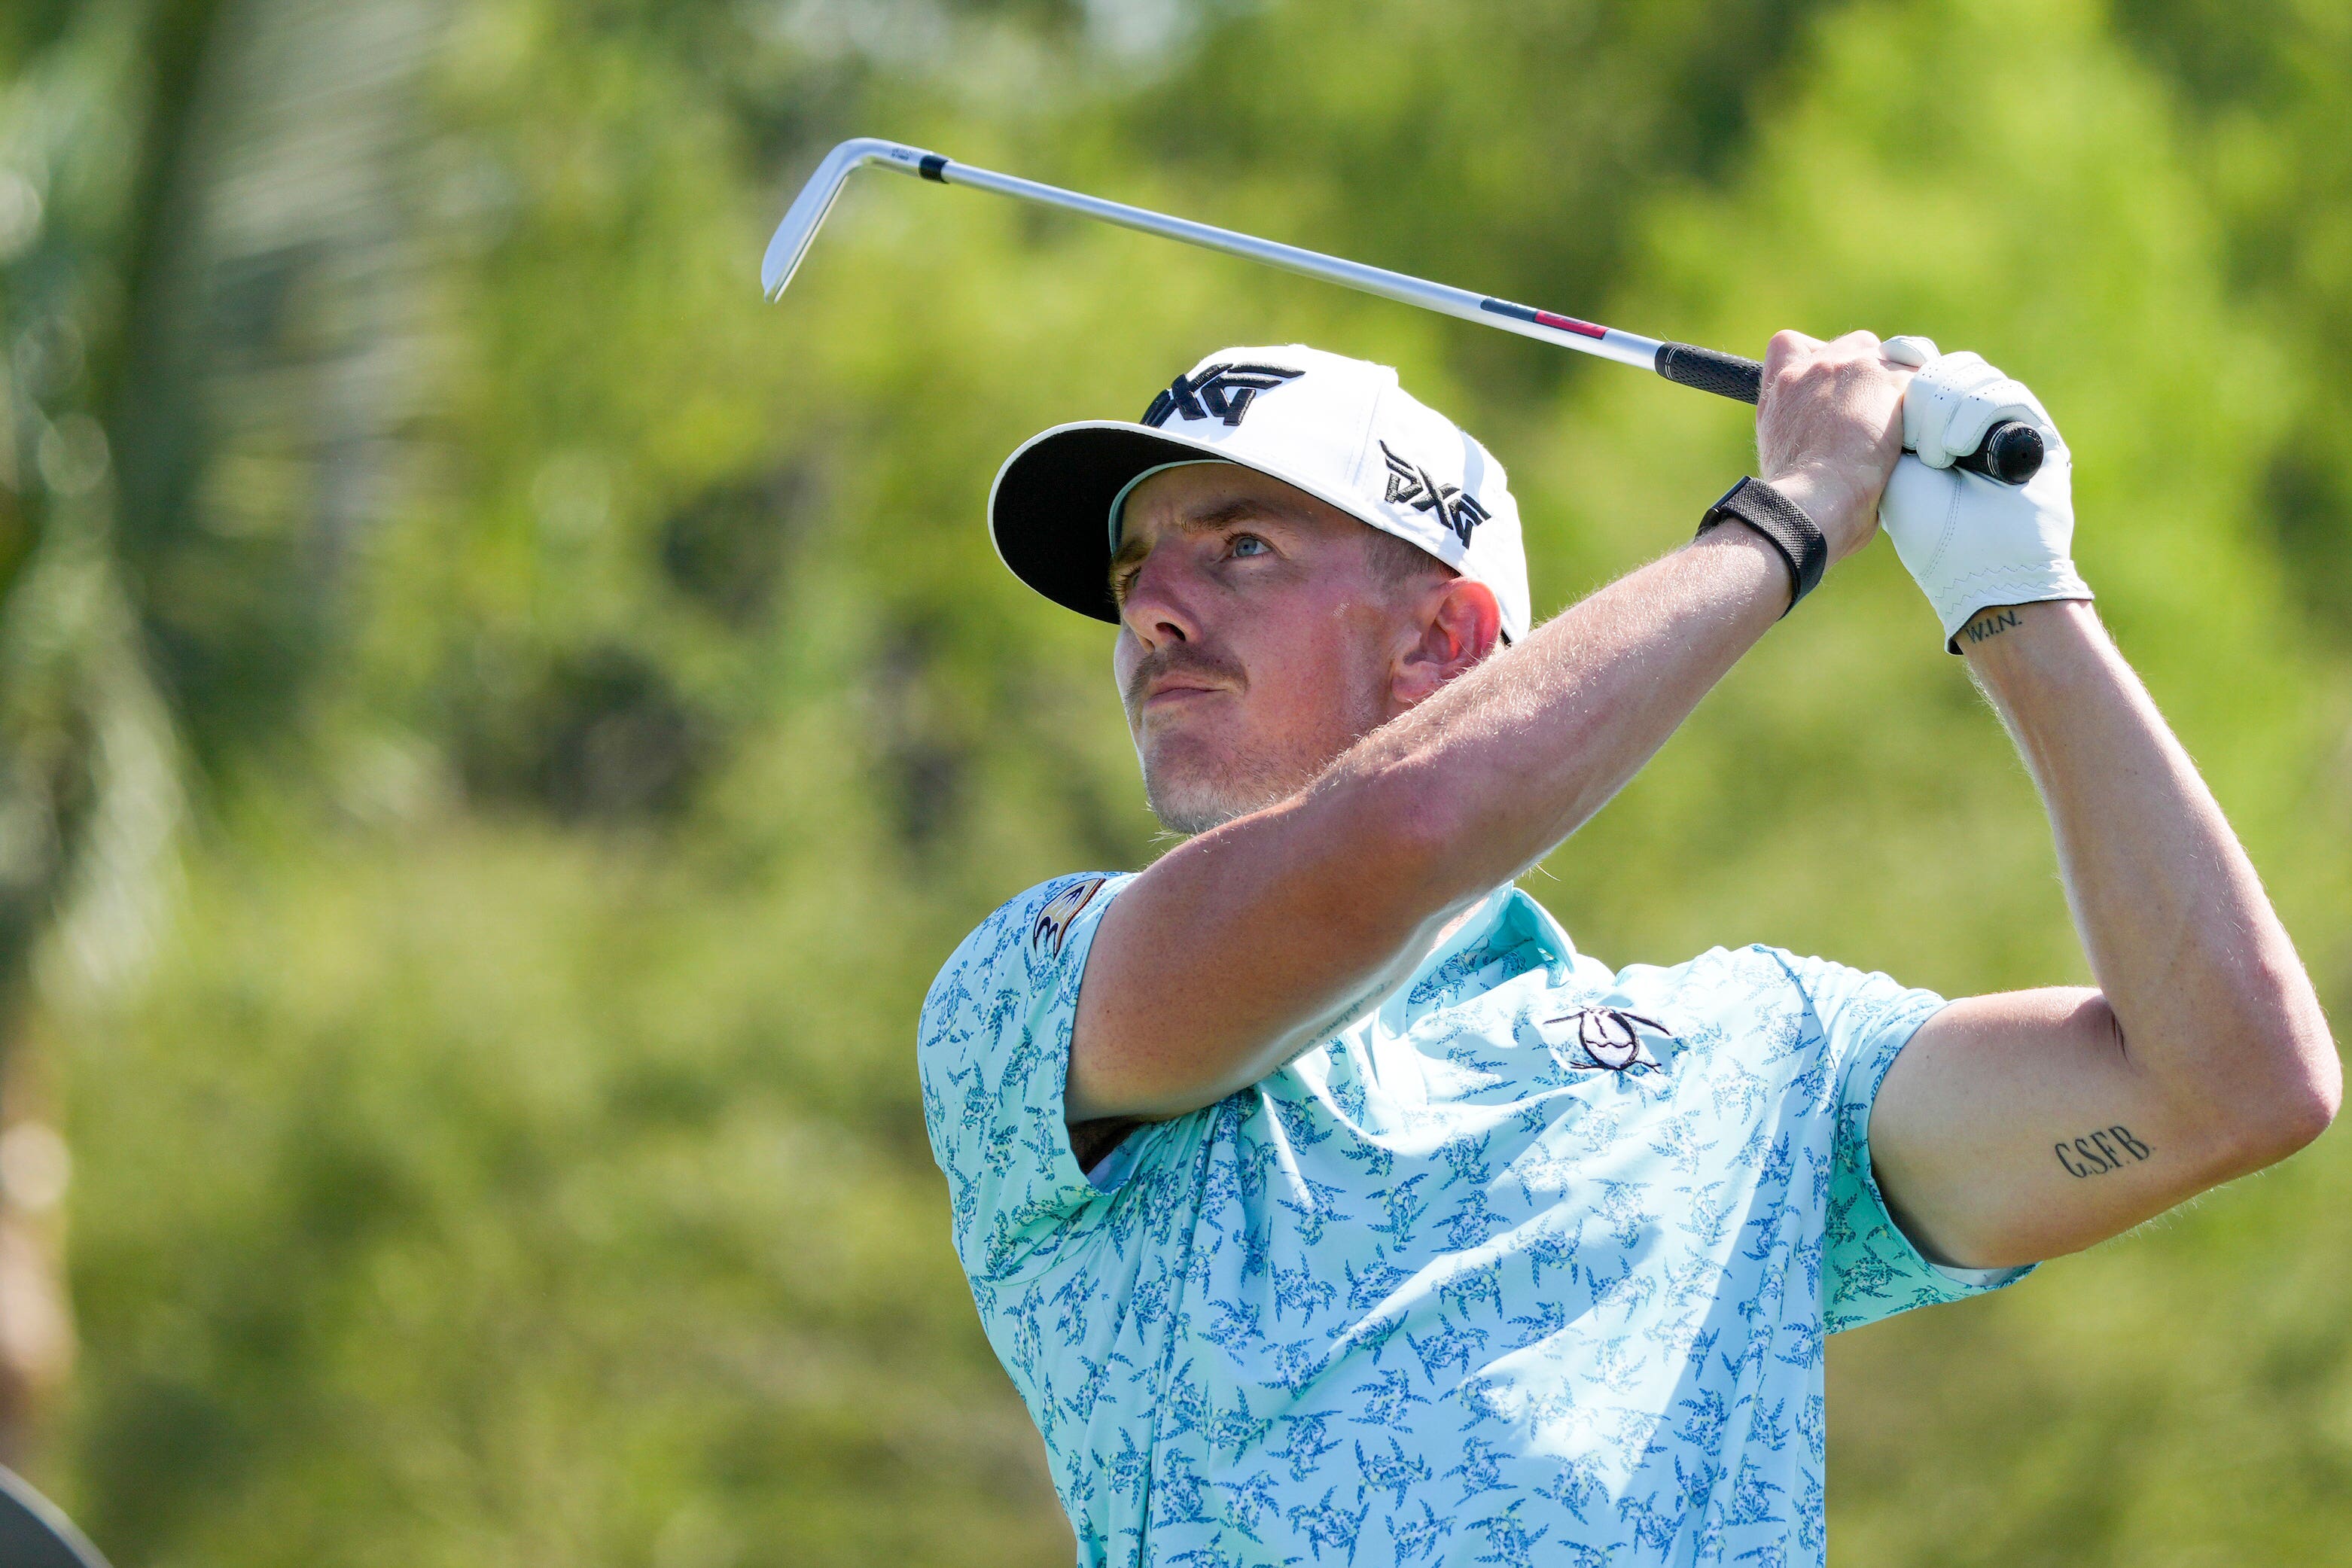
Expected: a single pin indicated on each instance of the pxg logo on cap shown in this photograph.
(1221, 391)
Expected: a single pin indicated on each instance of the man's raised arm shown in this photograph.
(2020, 1126)
(1241, 947)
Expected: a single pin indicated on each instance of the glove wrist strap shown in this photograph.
(1783, 523)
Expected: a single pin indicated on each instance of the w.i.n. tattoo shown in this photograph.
(1986, 627)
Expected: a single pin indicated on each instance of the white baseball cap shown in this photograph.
(1341, 430)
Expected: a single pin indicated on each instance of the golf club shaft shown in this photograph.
(2010, 452)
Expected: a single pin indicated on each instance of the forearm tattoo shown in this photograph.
(2096, 1154)
(1990, 625)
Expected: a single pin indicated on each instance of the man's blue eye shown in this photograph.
(1250, 544)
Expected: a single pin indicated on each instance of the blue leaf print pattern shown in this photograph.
(1464, 1283)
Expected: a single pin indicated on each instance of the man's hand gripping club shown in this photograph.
(1968, 541)
(1829, 429)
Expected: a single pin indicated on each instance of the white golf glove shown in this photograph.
(1972, 542)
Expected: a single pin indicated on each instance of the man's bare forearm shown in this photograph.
(1500, 768)
(2211, 1004)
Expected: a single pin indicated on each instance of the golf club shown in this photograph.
(2011, 451)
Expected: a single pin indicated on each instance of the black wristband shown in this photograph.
(1783, 522)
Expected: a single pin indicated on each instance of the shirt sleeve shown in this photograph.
(1871, 1269)
(993, 1052)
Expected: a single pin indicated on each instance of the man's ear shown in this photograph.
(1458, 623)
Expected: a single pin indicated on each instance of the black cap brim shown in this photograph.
(1049, 512)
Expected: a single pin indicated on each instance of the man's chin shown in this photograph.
(1194, 801)
(1189, 813)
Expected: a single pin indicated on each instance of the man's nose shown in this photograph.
(1158, 608)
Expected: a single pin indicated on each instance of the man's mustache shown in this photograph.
(1181, 658)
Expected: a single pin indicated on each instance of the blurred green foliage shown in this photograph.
(501, 725)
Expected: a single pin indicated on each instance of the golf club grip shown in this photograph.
(1725, 375)
(2011, 451)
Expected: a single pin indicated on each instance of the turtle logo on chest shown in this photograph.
(1610, 1040)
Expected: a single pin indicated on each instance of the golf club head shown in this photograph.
(33, 1534)
(807, 215)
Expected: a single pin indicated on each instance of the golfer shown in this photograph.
(1327, 1205)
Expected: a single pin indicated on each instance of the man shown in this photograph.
(1326, 1205)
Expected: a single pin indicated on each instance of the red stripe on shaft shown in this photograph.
(1571, 324)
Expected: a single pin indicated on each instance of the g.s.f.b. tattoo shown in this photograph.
(2096, 1154)
(1990, 625)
